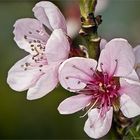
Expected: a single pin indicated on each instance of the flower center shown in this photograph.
(102, 87)
(104, 91)
(37, 42)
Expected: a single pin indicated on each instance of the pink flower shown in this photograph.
(110, 84)
(38, 71)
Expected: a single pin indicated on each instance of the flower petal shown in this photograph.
(97, 126)
(133, 76)
(58, 47)
(74, 104)
(137, 59)
(50, 15)
(117, 58)
(21, 79)
(45, 84)
(137, 54)
(130, 88)
(128, 107)
(73, 27)
(103, 42)
(76, 72)
(28, 32)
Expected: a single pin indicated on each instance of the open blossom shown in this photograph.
(38, 71)
(111, 84)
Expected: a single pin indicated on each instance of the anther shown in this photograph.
(25, 36)
(30, 32)
(38, 41)
(32, 45)
(37, 31)
(100, 84)
(91, 68)
(39, 45)
(40, 65)
(78, 82)
(27, 64)
(101, 65)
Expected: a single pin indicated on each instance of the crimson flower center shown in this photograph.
(104, 91)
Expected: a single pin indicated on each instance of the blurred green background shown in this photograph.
(20, 118)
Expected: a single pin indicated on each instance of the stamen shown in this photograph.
(101, 66)
(82, 80)
(106, 79)
(90, 108)
(81, 70)
(116, 60)
(79, 90)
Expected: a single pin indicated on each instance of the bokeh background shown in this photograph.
(39, 119)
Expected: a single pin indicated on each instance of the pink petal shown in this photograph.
(137, 54)
(137, 59)
(117, 58)
(74, 104)
(50, 15)
(45, 84)
(97, 126)
(128, 107)
(103, 42)
(20, 79)
(29, 31)
(138, 72)
(76, 72)
(130, 88)
(57, 48)
(133, 76)
(73, 27)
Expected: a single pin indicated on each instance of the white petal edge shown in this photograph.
(131, 88)
(57, 47)
(74, 104)
(45, 84)
(97, 126)
(103, 42)
(26, 29)
(128, 107)
(20, 79)
(50, 15)
(117, 58)
(75, 72)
